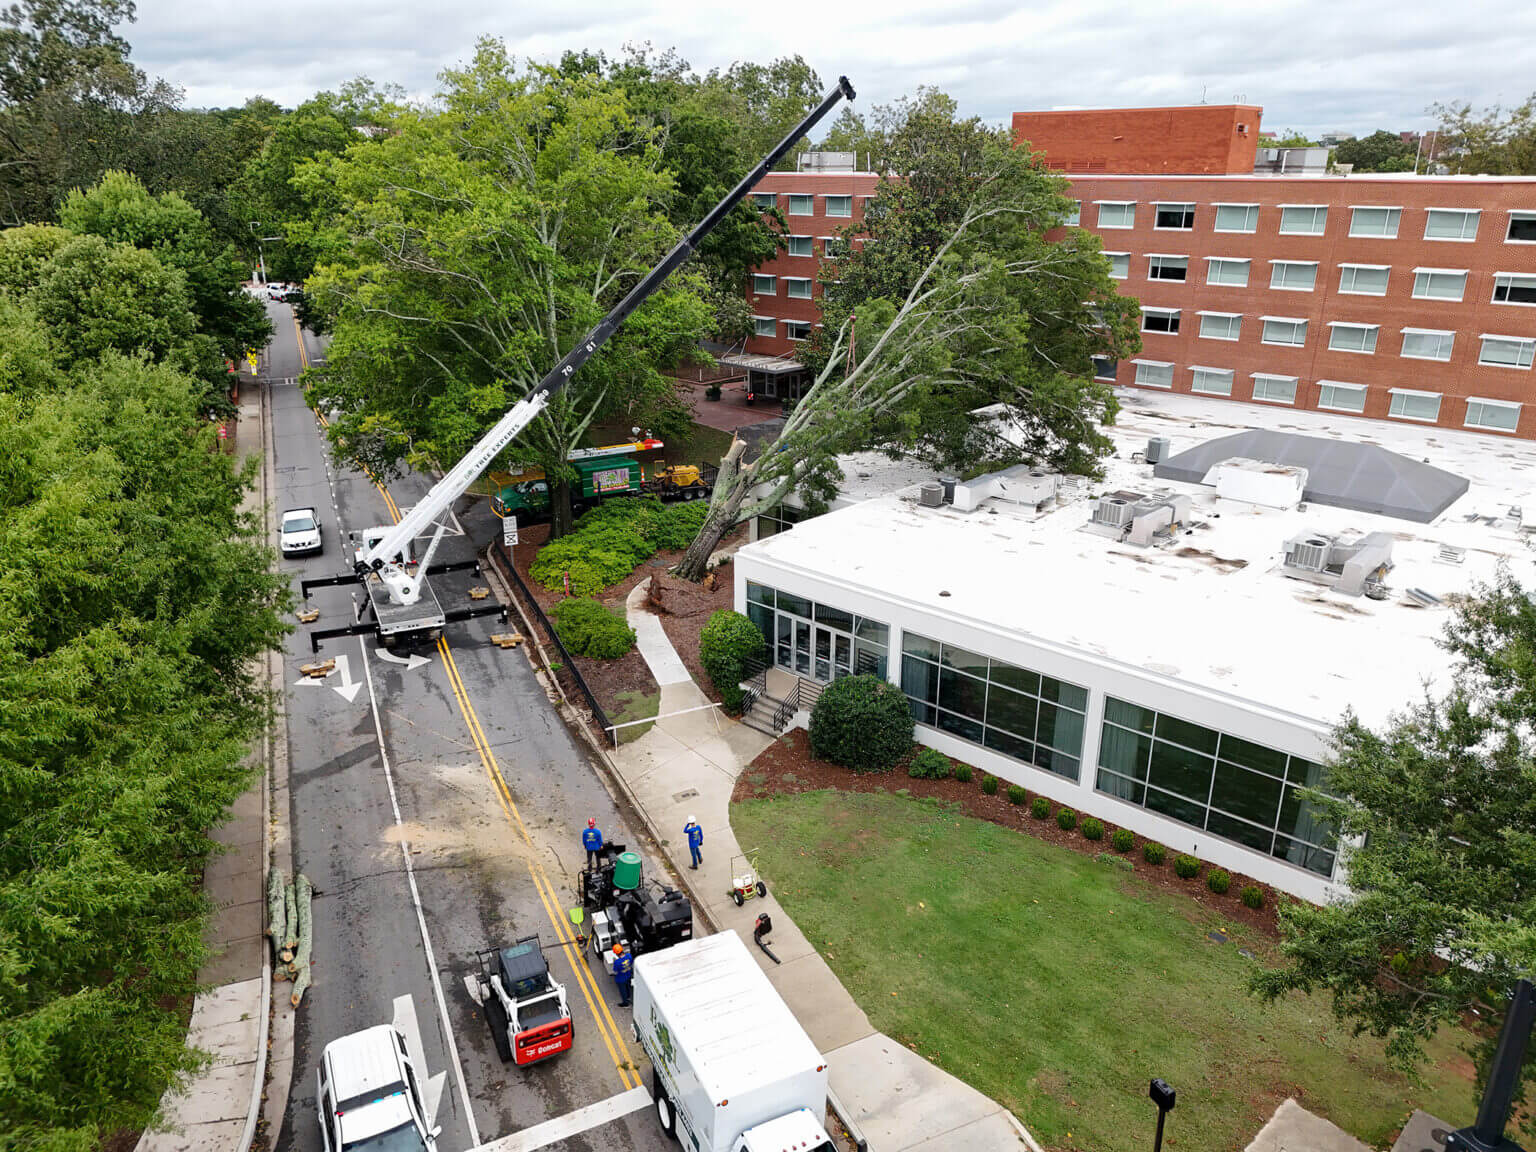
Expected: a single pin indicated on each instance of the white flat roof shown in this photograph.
(1214, 609)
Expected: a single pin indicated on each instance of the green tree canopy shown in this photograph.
(1440, 809)
(1381, 151)
(136, 596)
(1497, 141)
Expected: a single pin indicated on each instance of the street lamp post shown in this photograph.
(1487, 1134)
(1163, 1096)
(261, 255)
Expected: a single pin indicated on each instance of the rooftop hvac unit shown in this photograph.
(1157, 449)
(1308, 553)
(1114, 511)
(931, 495)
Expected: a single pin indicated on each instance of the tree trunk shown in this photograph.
(721, 519)
(562, 518)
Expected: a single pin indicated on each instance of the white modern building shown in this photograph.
(1167, 649)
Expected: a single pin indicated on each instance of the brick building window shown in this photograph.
(802, 205)
(797, 329)
(1220, 325)
(765, 200)
(839, 205)
(1284, 330)
(1274, 389)
(1168, 268)
(1227, 271)
(1338, 397)
(1494, 415)
(763, 285)
(1506, 352)
(799, 245)
(1374, 223)
(1514, 288)
(1105, 367)
(1119, 265)
(797, 287)
(764, 326)
(1293, 275)
(1427, 344)
(1440, 284)
(1177, 217)
(1522, 228)
(1364, 279)
(1303, 219)
(1346, 337)
(1117, 213)
(1451, 224)
(1410, 405)
(1237, 218)
(1212, 381)
(1075, 216)
(1164, 320)
(1154, 373)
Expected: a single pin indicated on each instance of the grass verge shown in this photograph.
(1059, 986)
(633, 705)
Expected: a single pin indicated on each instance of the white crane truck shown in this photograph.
(406, 612)
(731, 1068)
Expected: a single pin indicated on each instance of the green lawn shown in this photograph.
(1060, 986)
(634, 704)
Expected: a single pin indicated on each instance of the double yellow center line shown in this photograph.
(586, 980)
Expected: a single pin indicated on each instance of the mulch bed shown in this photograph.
(687, 608)
(787, 766)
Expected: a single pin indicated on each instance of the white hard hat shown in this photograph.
(691, 820)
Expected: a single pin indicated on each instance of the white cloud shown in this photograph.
(1314, 65)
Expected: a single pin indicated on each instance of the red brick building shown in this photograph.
(1386, 296)
(1213, 139)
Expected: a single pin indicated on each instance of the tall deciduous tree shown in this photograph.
(961, 301)
(1441, 808)
(1381, 151)
(466, 250)
(1495, 140)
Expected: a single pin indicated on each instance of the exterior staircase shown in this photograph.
(771, 714)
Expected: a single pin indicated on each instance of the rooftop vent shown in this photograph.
(1351, 566)
(1143, 520)
(1158, 448)
(1258, 482)
(1017, 485)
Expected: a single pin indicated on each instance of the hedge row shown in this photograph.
(611, 540)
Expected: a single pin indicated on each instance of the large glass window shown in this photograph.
(1497, 415)
(762, 285)
(1009, 709)
(1164, 320)
(1379, 223)
(1411, 405)
(1303, 219)
(780, 518)
(1202, 777)
(1176, 216)
(1451, 224)
(1237, 218)
(1522, 228)
(800, 246)
(1513, 288)
(765, 201)
(764, 326)
(1212, 381)
(1428, 344)
(1507, 351)
(1284, 330)
(813, 639)
(802, 205)
(1274, 389)
(1364, 279)
(1292, 275)
(839, 205)
(1220, 325)
(1153, 373)
(1168, 268)
(1117, 214)
(1439, 284)
(1346, 337)
(1119, 265)
(1340, 397)
(1227, 271)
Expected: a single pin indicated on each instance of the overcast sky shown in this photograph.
(1314, 65)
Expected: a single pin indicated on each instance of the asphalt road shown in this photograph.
(489, 790)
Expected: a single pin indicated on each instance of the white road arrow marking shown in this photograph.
(412, 661)
(349, 688)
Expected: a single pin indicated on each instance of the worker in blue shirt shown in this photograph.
(695, 836)
(592, 841)
(623, 973)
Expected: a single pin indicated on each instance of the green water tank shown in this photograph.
(626, 871)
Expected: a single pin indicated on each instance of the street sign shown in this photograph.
(509, 531)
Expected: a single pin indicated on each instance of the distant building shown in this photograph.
(1334, 139)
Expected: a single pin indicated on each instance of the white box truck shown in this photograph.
(732, 1070)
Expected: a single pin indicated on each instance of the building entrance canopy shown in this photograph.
(1343, 474)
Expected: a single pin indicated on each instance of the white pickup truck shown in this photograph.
(732, 1070)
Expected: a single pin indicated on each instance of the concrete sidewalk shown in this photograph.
(216, 1111)
(687, 766)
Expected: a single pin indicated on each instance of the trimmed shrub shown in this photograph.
(929, 764)
(1117, 861)
(1040, 808)
(1066, 819)
(1153, 853)
(589, 629)
(1186, 867)
(1121, 840)
(609, 541)
(1218, 880)
(678, 524)
(989, 785)
(1252, 896)
(1092, 829)
(861, 722)
(1016, 794)
(727, 642)
(963, 773)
